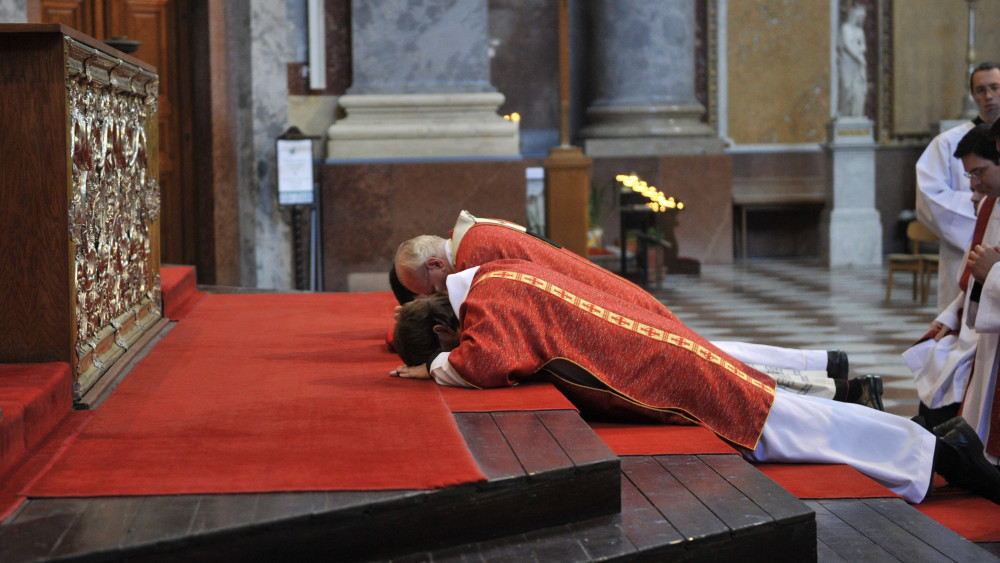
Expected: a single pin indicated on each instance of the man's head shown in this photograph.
(422, 264)
(984, 85)
(424, 328)
(981, 161)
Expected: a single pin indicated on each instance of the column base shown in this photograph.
(652, 146)
(853, 237)
(380, 126)
(649, 131)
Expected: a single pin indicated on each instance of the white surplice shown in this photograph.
(944, 205)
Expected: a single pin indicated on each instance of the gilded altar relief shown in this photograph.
(113, 207)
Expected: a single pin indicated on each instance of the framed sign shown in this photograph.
(295, 172)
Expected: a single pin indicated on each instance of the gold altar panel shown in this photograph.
(114, 203)
(778, 71)
(928, 60)
(81, 264)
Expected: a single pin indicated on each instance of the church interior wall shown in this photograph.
(776, 101)
(929, 74)
(778, 61)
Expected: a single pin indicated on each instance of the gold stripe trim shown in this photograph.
(625, 323)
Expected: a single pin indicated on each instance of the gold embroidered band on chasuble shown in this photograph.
(626, 323)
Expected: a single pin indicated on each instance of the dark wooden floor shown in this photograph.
(555, 492)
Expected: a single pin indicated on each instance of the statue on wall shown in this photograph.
(851, 64)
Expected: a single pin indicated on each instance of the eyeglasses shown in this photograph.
(976, 172)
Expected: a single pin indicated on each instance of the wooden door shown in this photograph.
(154, 23)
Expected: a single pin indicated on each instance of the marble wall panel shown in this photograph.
(13, 11)
(778, 71)
(270, 50)
(930, 74)
(704, 184)
(895, 178)
(525, 64)
(419, 47)
(369, 209)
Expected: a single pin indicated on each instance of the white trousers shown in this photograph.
(800, 371)
(784, 358)
(890, 449)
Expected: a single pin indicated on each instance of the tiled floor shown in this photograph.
(804, 304)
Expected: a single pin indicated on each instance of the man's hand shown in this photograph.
(981, 260)
(411, 372)
(395, 313)
(940, 330)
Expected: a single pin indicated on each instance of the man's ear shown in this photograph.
(447, 337)
(434, 264)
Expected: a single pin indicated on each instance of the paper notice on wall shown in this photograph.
(295, 172)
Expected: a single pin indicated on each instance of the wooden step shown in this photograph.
(544, 469)
(554, 493)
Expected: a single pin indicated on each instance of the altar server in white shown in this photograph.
(943, 191)
(967, 331)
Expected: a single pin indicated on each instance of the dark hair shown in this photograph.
(978, 142)
(414, 336)
(403, 295)
(988, 65)
(995, 130)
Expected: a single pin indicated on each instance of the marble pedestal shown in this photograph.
(617, 131)
(391, 126)
(852, 231)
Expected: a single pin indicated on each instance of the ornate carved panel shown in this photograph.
(114, 201)
(80, 256)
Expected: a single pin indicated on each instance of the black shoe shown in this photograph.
(870, 394)
(972, 471)
(937, 416)
(836, 364)
(942, 429)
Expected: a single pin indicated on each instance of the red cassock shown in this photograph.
(488, 241)
(522, 321)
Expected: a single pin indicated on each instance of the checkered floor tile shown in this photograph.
(804, 304)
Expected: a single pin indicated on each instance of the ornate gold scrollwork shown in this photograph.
(114, 197)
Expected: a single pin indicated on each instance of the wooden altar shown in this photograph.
(79, 261)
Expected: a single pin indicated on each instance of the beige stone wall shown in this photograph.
(778, 77)
(930, 40)
(779, 71)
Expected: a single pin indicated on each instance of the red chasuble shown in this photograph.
(522, 321)
(485, 242)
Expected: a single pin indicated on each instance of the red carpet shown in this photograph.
(802, 480)
(970, 516)
(179, 288)
(267, 392)
(810, 481)
(639, 439)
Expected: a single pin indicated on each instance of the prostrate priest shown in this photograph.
(511, 321)
(422, 263)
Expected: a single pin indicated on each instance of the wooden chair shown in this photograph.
(922, 265)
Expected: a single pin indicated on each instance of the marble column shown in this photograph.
(421, 84)
(643, 72)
